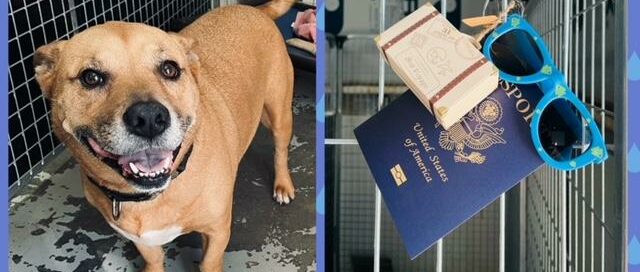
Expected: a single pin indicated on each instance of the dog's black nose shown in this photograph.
(147, 119)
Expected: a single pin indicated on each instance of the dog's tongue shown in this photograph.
(99, 150)
(148, 160)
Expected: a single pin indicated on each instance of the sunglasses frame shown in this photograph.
(554, 87)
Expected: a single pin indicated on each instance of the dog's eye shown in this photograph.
(169, 70)
(91, 79)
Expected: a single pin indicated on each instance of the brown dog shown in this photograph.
(132, 103)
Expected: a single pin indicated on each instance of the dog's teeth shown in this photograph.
(153, 175)
(134, 168)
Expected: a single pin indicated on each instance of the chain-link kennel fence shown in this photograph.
(53, 228)
(553, 221)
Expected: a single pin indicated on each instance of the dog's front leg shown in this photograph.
(153, 257)
(214, 244)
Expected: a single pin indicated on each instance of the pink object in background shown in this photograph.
(305, 25)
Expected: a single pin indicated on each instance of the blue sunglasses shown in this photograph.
(564, 133)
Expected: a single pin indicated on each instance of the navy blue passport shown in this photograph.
(433, 180)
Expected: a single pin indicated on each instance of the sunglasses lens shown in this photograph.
(516, 53)
(564, 132)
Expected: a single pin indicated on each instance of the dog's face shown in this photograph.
(124, 95)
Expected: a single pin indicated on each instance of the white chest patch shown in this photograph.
(152, 237)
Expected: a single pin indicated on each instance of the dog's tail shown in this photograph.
(276, 8)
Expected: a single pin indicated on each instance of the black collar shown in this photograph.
(124, 197)
(118, 197)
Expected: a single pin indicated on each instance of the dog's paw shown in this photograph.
(283, 194)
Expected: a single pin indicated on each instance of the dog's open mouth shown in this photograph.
(147, 168)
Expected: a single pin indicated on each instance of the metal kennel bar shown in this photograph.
(335, 106)
(565, 221)
(584, 232)
(36, 23)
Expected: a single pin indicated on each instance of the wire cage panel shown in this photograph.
(36, 23)
(561, 221)
(351, 98)
(472, 246)
(572, 219)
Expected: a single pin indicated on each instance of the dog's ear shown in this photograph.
(187, 45)
(45, 61)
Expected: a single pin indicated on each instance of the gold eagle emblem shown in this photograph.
(477, 131)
